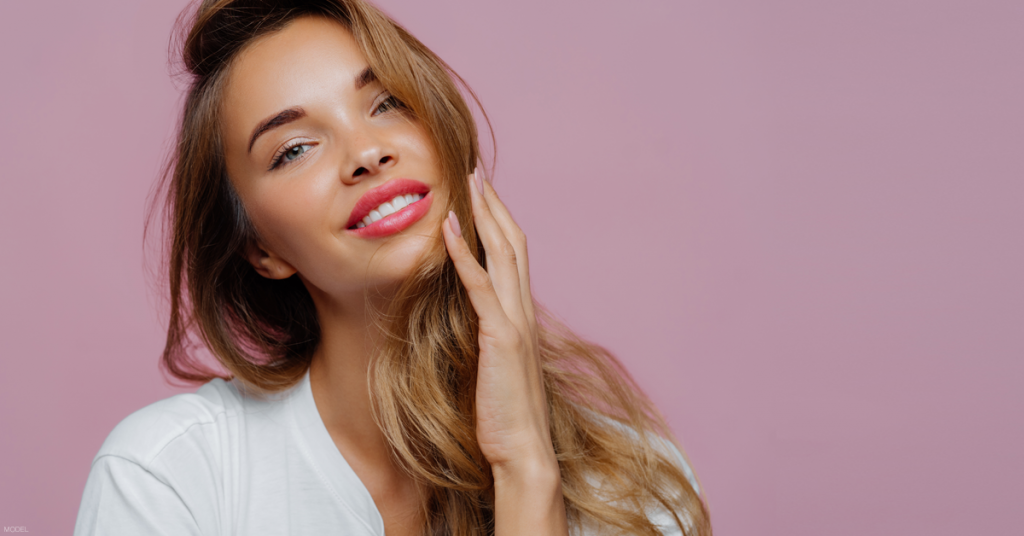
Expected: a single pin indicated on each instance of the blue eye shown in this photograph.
(290, 154)
(295, 152)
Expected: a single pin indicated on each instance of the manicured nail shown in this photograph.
(453, 220)
(479, 181)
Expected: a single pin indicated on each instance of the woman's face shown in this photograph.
(314, 148)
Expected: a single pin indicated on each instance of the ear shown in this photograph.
(267, 263)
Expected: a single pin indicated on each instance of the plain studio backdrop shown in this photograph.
(800, 224)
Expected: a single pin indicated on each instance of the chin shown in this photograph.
(397, 260)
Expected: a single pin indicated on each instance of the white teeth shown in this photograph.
(389, 208)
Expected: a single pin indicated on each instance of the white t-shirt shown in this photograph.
(218, 462)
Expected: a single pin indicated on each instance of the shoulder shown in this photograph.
(143, 435)
(658, 513)
(664, 445)
(159, 470)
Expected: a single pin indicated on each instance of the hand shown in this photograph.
(511, 405)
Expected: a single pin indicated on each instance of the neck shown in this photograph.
(338, 376)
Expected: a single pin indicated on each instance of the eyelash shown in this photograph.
(395, 104)
(391, 100)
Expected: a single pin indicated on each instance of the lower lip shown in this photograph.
(397, 222)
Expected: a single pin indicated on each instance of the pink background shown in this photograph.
(799, 223)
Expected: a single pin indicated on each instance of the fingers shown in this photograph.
(502, 255)
(476, 280)
(517, 239)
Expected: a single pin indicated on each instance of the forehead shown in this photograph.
(309, 62)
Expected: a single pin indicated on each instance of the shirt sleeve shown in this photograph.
(659, 516)
(670, 449)
(656, 514)
(123, 498)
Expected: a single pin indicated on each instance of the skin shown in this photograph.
(351, 143)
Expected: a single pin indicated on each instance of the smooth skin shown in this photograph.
(349, 140)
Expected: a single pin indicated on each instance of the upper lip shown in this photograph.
(385, 192)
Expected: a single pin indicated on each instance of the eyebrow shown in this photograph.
(364, 78)
(282, 118)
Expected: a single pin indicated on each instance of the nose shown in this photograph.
(370, 155)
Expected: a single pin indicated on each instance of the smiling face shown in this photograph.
(319, 153)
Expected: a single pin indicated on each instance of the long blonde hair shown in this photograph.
(608, 437)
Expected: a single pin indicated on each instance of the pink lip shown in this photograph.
(392, 223)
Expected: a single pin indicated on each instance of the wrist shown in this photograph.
(528, 498)
(529, 473)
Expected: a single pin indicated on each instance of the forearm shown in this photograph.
(528, 500)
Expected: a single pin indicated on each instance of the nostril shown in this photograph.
(359, 172)
(385, 160)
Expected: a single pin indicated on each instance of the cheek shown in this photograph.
(290, 216)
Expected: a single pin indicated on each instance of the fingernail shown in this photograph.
(479, 181)
(453, 220)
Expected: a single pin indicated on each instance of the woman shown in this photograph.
(368, 294)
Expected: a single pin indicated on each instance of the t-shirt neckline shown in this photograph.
(335, 471)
